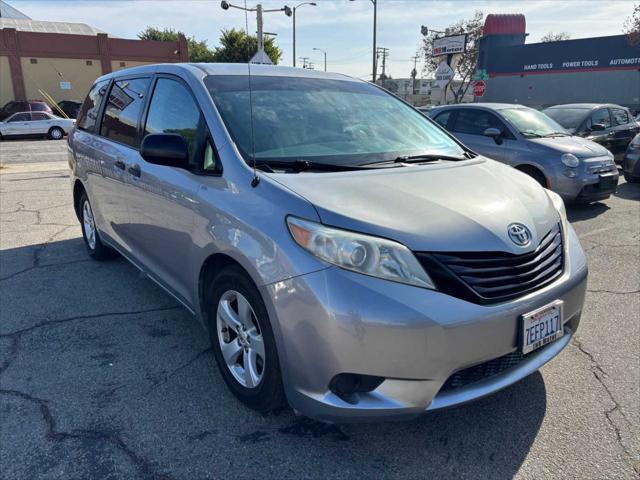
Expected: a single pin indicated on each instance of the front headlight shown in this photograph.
(570, 160)
(377, 257)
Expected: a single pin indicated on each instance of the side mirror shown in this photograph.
(597, 127)
(494, 133)
(168, 149)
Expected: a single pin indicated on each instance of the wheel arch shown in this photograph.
(533, 171)
(78, 190)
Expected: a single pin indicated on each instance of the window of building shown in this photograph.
(123, 64)
(602, 117)
(620, 117)
(88, 115)
(173, 110)
(475, 122)
(33, 61)
(89, 63)
(124, 104)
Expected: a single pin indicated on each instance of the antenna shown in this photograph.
(255, 180)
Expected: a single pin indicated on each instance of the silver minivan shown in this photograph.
(578, 169)
(343, 253)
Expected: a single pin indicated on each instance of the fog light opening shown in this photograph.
(348, 385)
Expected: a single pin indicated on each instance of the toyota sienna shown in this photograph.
(344, 253)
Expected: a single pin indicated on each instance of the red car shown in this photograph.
(24, 106)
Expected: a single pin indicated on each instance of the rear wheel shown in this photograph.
(97, 250)
(631, 178)
(55, 133)
(243, 341)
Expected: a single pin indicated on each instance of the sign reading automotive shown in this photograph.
(444, 74)
(449, 45)
(479, 88)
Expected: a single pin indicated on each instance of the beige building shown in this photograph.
(63, 59)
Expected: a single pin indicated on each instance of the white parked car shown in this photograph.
(28, 124)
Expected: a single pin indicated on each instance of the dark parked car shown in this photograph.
(631, 161)
(69, 107)
(24, 106)
(612, 126)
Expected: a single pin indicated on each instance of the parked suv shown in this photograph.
(612, 126)
(577, 169)
(24, 106)
(344, 253)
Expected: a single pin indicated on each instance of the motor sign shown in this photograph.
(479, 88)
(449, 45)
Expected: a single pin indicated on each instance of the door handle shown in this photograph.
(135, 170)
(120, 164)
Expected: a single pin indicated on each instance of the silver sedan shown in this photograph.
(28, 124)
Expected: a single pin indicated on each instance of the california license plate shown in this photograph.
(542, 326)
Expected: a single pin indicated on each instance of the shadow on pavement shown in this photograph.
(102, 367)
(577, 212)
(628, 191)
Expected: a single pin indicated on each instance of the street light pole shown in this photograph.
(325, 57)
(375, 50)
(313, 4)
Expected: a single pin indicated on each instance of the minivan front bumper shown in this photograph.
(333, 321)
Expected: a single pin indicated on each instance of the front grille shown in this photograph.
(492, 277)
(484, 370)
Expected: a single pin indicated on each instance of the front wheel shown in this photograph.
(243, 341)
(55, 133)
(97, 250)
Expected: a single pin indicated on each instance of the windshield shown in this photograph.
(569, 118)
(531, 122)
(325, 121)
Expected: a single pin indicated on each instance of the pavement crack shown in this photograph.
(600, 376)
(145, 466)
(33, 267)
(176, 370)
(613, 292)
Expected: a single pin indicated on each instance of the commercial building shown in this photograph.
(63, 59)
(592, 70)
(426, 92)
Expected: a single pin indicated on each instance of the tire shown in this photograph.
(227, 291)
(96, 249)
(55, 133)
(631, 178)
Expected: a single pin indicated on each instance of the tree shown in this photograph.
(238, 47)
(466, 66)
(555, 37)
(632, 26)
(198, 50)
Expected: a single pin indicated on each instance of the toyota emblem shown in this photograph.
(519, 234)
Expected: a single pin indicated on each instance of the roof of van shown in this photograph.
(231, 69)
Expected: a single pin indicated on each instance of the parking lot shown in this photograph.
(103, 375)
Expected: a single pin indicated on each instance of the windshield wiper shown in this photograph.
(305, 165)
(531, 133)
(558, 134)
(426, 157)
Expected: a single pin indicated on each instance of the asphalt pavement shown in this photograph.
(103, 375)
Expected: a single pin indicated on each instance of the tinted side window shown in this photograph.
(39, 116)
(475, 122)
(39, 107)
(21, 117)
(173, 110)
(88, 115)
(443, 118)
(124, 104)
(601, 116)
(620, 117)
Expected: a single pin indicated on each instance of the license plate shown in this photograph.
(607, 182)
(542, 326)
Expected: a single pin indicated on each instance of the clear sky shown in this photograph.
(343, 28)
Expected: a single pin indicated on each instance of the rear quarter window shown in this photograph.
(88, 116)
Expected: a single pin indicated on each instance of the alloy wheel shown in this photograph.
(240, 339)
(89, 225)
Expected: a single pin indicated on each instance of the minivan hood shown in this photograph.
(580, 147)
(456, 206)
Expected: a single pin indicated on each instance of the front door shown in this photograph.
(469, 125)
(18, 124)
(162, 210)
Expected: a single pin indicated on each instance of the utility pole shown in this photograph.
(414, 73)
(305, 61)
(384, 53)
